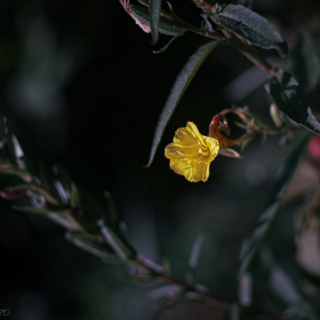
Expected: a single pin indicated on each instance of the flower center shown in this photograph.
(203, 148)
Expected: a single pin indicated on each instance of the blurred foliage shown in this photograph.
(80, 86)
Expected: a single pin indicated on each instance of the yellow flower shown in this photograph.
(191, 153)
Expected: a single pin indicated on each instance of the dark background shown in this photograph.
(80, 86)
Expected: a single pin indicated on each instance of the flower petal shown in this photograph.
(175, 151)
(184, 138)
(213, 145)
(191, 153)
(196, 172)
(178, 166)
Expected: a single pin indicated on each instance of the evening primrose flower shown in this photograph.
(191, 153)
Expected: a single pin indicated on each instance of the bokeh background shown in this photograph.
(81, 86)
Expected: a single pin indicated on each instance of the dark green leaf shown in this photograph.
(166, 26)
(289, 98)
(251, 27)
(181, 84)
(304, 63)
(267, 217)
(154, 9)
(163, 49)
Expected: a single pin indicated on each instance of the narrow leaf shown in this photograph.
(303, 61)
(181, 84)
(251, 27)
(121, 249)
(154, 9)
(27, 209)
(64, 219)
(246, 142)
(245, 290)
(194, 259)
(165, 25)
(227, 152)
(171, 8)
(288, 96)
(18, 152)
(163, 49)
(267, 217)
(82, 242)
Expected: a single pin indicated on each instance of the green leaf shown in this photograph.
(288, 96)
(304, 64)
(181, 84)
(251, 27)
(166, 26)
(267, 217)
(163, 49)
(154, 9)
